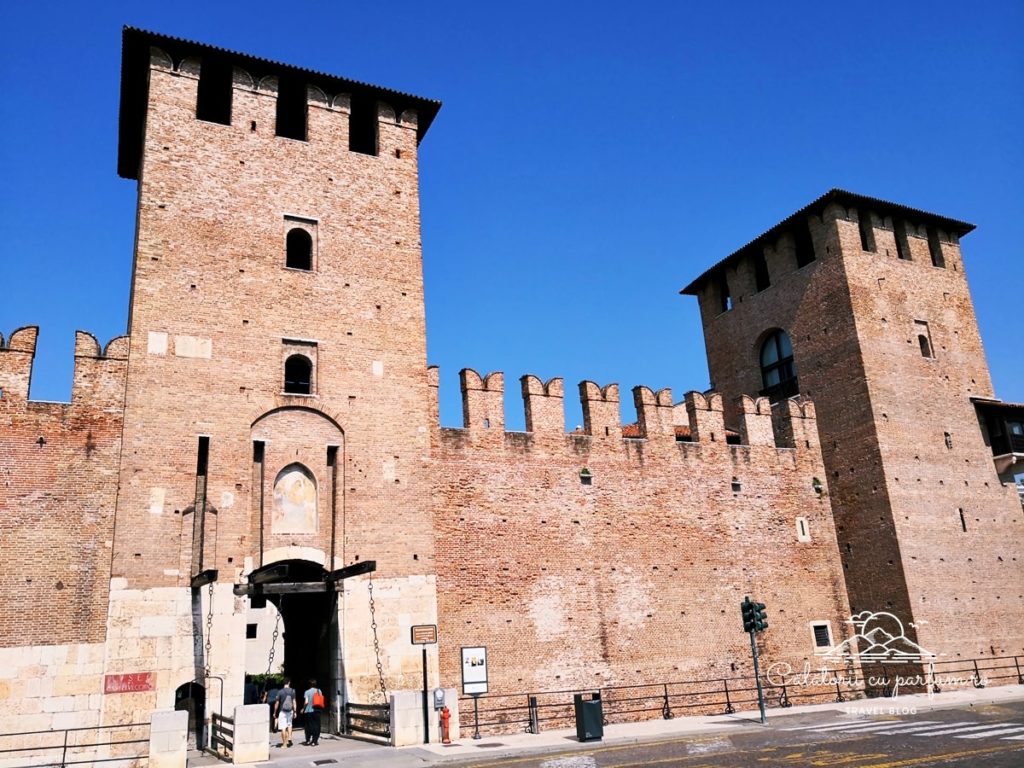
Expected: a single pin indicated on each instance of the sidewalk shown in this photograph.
(349, 752)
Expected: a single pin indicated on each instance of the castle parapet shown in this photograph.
(544, 404)
(16, 356)
(795, 424)
(483, 401)
(654, 412)
(704, 412)
(99, 378)
(601, 415)
(755, 416)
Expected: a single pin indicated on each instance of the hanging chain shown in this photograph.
(376, 642)
(273, 639)
(209, 630)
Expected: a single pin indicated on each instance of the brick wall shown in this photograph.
(58, 486)
(636, 577)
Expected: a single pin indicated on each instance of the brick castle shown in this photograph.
(270, 419)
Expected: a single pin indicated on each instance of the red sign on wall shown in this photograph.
(132, 682)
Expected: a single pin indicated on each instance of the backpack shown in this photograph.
(318, 699)
(286, 704)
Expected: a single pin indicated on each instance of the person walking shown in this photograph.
(286, 712)
(312, 703)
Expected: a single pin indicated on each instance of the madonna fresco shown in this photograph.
(294, 501)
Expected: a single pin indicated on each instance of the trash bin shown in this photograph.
(589, 717)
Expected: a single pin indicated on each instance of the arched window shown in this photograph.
(778, 372)
(300, 249)
(298, 370)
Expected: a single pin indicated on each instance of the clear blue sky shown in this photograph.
(590, 159)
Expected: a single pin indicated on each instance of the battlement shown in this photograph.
(99, 376)
(698, 418)
(254, 95)
(838, 222)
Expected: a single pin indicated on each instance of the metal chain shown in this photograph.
(209, 630)
(376, 642)
(273, 639)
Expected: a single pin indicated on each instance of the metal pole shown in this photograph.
(426, 704)
(476, 716)
(757, 677)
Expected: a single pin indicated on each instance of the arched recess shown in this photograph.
(298, 480)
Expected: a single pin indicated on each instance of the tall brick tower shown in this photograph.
(863, 305)
(276, 411)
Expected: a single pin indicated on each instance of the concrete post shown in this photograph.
(168, 738)
(252, 739)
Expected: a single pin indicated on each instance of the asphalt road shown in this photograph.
(986, 737)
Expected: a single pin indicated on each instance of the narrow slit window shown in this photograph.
(899, 231)
(257, 451)
(725, 298)
(362, 126)
(213, 96)
(924, 338)
(299, 246)
(298, 370)
(867, 232)
(963, 521)
(291, 109)
(803, 244)
(737, 486)
(761, 278)
(202, 456)
(332, 455)
(935, 248)
(803, 532)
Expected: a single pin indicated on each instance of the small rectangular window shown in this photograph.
(250, 631)
(822, 635)
(924, 338)
(724, 297)
(332, 455)
(257, 451)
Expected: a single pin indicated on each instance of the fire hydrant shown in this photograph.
(446, 716)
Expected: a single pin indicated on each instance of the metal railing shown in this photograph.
(60, 747)
(371, 722)
(536, 710)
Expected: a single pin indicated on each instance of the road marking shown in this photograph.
(921, 730)
(997, 732)
(964, 728)
(849, 728)
(943, 756)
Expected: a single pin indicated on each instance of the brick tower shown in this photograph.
(863, 306)
(276, 408)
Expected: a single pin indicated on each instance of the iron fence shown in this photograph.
(61, 747)
(536, 710)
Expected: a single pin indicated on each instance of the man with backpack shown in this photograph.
(313, 704)
(286, 712)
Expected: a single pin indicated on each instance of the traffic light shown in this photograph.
(754, 617)
(760, 617)
(748, 611)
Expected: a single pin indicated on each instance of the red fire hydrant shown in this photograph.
(446, 716)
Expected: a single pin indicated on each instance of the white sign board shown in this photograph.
(474, 670)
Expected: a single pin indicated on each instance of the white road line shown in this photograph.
(864, 726)
(962, 729)
(1013, 738)
(922, 730)
(997, 732)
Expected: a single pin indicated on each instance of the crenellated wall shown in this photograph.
(631, 571)
(58, 486)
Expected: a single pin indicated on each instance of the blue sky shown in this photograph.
(590, 159)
